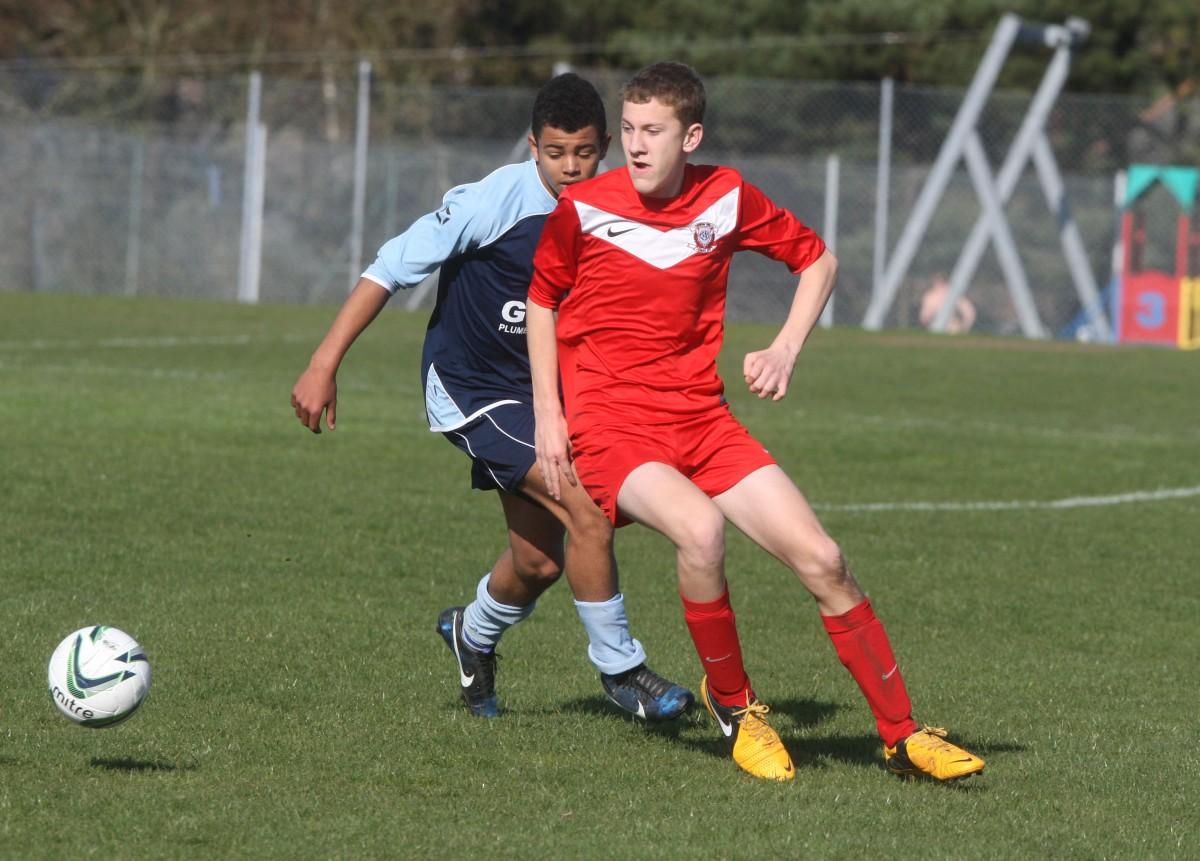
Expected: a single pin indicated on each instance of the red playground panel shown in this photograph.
(1149, 308)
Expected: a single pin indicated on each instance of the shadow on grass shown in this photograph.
(851, 749)
(811, 752)
(802, 712)
(598, 706)
(131, 765)
(867, 750)
(805, 712)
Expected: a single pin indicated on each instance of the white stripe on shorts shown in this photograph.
(506, 433)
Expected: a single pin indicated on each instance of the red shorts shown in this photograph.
(712, 449)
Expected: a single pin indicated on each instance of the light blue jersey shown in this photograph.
(483, 238)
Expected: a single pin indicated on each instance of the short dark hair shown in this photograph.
(569, 103)
(673, 84)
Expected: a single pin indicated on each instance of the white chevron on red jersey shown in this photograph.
(663, 248)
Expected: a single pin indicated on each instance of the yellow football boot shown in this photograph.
(754, 745)
(926, 752)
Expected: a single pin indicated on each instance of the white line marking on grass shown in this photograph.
(142, 343)
(1018, 504)
(1112, 434)
(248, 375)
(104, 370)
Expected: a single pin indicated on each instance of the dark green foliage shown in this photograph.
(1136, 46)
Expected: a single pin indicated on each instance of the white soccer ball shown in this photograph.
(98, 676)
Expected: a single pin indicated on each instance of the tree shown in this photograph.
(1145, 46)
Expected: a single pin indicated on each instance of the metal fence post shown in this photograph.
(1002, 238)
(882, 183)
(253, 187)
(829, 234)
(133, 239)
(359, 204)
(1116, 260)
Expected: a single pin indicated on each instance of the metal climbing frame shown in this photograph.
(994, 191)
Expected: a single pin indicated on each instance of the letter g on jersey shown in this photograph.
(513, 312)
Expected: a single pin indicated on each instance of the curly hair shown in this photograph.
(674, 84)
(569, 103)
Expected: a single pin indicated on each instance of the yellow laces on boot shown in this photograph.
(758, 728)
(939, 733)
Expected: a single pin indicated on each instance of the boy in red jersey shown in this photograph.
(627, 307)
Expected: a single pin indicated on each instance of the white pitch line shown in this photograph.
(105, 370)
(1114, 434)
(141, 343)
(174, 374)
(126, 343)
(1018, 504)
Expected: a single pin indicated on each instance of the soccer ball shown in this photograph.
(98, 676)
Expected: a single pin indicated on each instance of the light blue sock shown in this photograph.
(611, 647)
(485, 618)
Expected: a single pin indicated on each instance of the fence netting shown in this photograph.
(134, 185)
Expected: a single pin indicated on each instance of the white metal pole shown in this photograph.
(1072, 243)
(883, 179)
(358, 213)
(832, 177)
(258, 186)
(1117, 261)
(247, 287)
(1006, 246)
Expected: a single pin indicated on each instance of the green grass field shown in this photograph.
(285, 587)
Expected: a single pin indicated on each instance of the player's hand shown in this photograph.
(553, 449)
(768, 372)
(315, 393)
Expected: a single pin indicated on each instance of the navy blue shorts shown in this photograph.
(500, 445)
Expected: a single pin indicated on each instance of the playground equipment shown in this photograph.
(963, 142)
(1152, 306)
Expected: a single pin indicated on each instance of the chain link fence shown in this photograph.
(136, 185)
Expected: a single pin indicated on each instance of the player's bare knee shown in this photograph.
(701, 541)
(823, 566)
(538, 568)
(591, 528)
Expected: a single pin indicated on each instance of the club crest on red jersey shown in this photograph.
(704, 236)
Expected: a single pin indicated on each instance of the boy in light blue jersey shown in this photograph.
(478, 394)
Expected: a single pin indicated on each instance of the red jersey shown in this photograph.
(639, 286)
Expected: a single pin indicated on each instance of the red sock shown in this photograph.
(714, 632)
(863, 647)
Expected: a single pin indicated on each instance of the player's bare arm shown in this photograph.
(315, 391)
(768, 372)
(550, 437)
